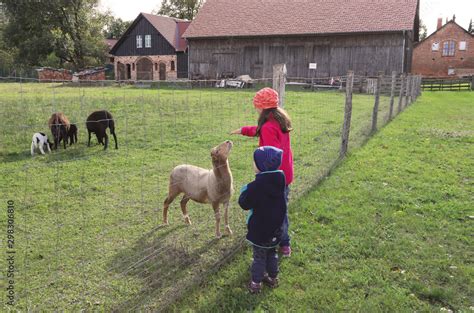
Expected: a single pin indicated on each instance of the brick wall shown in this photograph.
(50, 74)
(433, 64)
(154, 72)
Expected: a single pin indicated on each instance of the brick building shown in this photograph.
(152, 48)
(448, 52)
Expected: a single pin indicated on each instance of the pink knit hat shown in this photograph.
(266, 98)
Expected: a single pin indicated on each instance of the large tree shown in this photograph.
(71, 29)
(183, 9)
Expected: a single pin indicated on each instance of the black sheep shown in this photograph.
(97, 122)
(72, 134)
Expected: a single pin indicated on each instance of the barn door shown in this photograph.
(224, 63)
(144, 69)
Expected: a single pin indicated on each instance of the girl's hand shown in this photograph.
(236, 132)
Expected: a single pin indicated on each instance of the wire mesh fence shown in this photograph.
(89, 231)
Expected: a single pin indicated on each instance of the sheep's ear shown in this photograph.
(214, 153)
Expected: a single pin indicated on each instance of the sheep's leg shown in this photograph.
(115, 138)
(217, 215)
(47, 145)
(183, 203)
(172, 194)
(89, 141)
(228, 231)
(41, 149)
(65, 140)
(75, 137)
(106, 141)
(32, 148)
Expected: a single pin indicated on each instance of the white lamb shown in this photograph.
(38, 141)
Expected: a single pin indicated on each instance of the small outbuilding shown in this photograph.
(152, 48)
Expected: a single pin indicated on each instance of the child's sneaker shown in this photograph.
(270, 282)
(254, 287)
(285, 251)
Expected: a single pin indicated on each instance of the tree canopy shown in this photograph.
(69, 31)
(183, 9)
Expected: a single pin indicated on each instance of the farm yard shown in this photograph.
(88, 224)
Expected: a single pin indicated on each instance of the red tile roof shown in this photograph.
(223, 18)
(169, 27)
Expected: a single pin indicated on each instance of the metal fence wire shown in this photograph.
(88, 221)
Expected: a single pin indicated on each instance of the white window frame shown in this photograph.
(435, 46)
(147, 41)
(462, 46)
(139, 42)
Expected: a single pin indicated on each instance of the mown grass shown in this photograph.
(88, 232)
(389, 231)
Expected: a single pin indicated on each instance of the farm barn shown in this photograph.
(448, 52)
(249, 37)
(151, 49)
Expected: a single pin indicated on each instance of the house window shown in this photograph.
(462, 45)
(435, 46)
(139, 41)
(172, 65)
(448, 48)
(156, 66)
(133, 66)
(147, 41)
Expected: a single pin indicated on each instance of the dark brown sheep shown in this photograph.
(59, 125)
(97, 122)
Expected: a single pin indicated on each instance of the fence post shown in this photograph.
(413, 89)
(375, 111)
(472, 82)
(402, 92)
(407, 90)
(392, 94)
(347, 114)
(279, 81)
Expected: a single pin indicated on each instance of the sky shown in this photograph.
(430, 10)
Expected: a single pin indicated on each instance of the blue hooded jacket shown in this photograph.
(265, 196)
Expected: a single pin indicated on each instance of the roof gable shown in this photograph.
(223, 18)
(452, 22)
(170, 28)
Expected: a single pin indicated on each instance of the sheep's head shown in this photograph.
(220, 154)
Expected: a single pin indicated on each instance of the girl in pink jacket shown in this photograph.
(273, 129)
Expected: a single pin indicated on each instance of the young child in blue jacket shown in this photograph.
(265, 198)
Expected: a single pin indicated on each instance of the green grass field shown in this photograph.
(88, 232)
(389, 231)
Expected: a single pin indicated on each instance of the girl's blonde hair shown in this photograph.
(279, 115)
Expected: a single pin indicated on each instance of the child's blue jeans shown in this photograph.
(264, 260)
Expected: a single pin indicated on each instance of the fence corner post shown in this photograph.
(279, 81)
(347, 115)
(392, 94)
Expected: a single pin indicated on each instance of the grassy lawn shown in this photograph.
(389, 231)
(88, 232)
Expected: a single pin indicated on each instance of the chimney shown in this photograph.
(440, 23)
(454, 17)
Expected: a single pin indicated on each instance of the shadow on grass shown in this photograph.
(160, 262)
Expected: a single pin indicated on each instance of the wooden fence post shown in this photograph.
(413, 89)
(402, 92)
(347, 114)
(392, 94)
(279, 81)
(375, 111)
(407, 90)
(472, 82)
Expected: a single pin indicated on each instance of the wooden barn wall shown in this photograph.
(182, 64)
(335, 55)
(159, 45)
